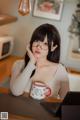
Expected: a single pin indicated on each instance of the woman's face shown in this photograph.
(40, 49)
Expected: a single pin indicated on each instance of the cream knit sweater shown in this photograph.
(21, 81)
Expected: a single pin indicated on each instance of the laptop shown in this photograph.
(55, 108)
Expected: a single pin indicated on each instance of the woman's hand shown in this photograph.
(30, 54)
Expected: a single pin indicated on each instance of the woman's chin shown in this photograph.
(37, 56)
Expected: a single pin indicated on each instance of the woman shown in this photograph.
(41, 64)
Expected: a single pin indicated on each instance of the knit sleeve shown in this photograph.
(20, 79)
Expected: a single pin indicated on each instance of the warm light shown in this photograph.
(24, 7)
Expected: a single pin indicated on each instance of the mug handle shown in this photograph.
(48, 93)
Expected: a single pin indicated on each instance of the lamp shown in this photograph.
(24, 7)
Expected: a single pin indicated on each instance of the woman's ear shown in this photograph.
(53, 47)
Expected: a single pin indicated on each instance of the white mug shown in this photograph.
(39, 90)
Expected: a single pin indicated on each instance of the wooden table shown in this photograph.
(19, 117)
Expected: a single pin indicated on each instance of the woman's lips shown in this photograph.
(38, 52)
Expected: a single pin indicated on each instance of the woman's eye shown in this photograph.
(46, 44)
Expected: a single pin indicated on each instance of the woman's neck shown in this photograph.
(41, 62)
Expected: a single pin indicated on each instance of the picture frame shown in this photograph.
(51, 9)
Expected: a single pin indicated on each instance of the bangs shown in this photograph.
(39, 36)
(40, 33)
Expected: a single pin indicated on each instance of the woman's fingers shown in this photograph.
(30, 54)
(28, 47)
